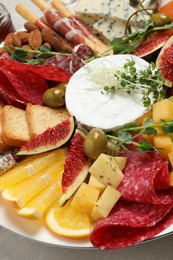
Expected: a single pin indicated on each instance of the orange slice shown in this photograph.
(68, 221)
(36, 207)
(29, 167)
(24, 191)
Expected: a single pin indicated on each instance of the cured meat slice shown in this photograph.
(143, 174)
(9, 94)
(65, 27)
(29, 86)
(72, 62)
(130, 223)
(162, 178)
(47, 71)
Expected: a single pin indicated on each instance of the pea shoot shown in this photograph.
(127, 135)
(148, 82)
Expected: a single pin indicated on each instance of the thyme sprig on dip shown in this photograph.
(126, 136)
(147, 82)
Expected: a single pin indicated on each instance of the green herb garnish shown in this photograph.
(147, 82)
(126, 136)
(38, 56)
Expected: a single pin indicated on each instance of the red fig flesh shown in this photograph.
(50, 139)
(165, 62)
(76, 167)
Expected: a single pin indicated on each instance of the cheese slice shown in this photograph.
(85, 99)
(119, 9)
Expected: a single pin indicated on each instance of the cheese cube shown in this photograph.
(85, 198)
(93, 181)
(106, 169)
(121, 161)
(105, 203)
(170, 157)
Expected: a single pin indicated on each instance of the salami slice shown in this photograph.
(9, 94)
(144, 172)
(47, 71)
(72, 62)
(130, 223)
(29, 86)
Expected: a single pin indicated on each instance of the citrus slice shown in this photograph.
(68, 221)
(24, 191)
(36, 207)
(29, 167)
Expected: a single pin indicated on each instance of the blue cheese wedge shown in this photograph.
(119, 9)
(110, 28)
(109, 111)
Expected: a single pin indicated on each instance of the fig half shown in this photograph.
(151, 46)
(50, 139)
(164, 62)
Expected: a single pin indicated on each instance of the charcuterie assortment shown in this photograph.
(86, 120)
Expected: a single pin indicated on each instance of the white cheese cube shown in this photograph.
(106, 169)
(105, 203)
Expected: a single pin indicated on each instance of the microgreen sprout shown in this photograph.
(147, 82)
(127, 135)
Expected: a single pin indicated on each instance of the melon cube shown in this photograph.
(106, 169)
(93, 181)
(105, 203)
(140, 121)
(85, 198)
(163, 142)
(163, 110)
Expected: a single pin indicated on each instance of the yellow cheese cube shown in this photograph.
(105, 203)
(121, 161)
(85, 198)
(106, 170)
(170, 157)
(163, 142)
(163, 110)
(93, 181)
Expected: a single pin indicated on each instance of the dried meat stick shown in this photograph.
(65, 12)
(65, 27)
(29, 16)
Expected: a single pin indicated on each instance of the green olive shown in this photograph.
(62, 85)
(95, 143)
(160, 19)
(54, 97)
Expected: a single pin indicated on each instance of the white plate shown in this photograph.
(37, 230)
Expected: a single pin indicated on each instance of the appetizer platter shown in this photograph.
(86, 128)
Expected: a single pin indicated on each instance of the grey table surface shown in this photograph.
(17, 247)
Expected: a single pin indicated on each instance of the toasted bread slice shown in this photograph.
(40, 118)
(3, 147)
(15, 131)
